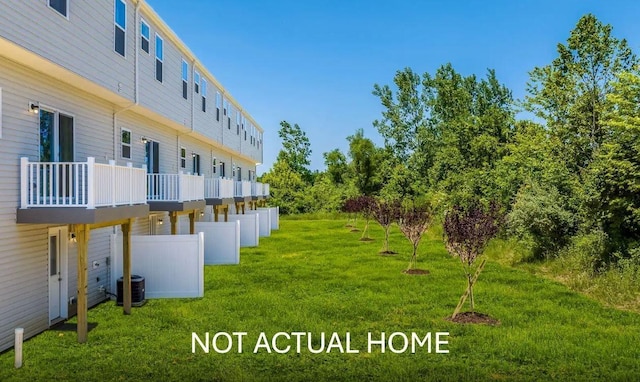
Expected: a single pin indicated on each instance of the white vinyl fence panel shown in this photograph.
(249, 229)
(172, 265)
(264, 221)
(275, 218)
(221, 242)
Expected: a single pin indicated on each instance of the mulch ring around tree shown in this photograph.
(354, 230)
(387, 253)
(415, 271)
(474, 318)
(366, 239)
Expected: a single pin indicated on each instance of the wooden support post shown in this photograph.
(173, 216)
(126, 267)
(226, 213)
(192, 222)
(82, 235)
(215, 213)
(242, 204)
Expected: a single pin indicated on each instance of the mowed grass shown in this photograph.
(315, 276)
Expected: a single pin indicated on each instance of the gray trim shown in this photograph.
(78, 215)
(239, 199)
(219, 202)
(177, 206)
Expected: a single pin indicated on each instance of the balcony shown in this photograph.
(242, 190)
(80, 192)
(218, 188)
(259, 190)
(175, 192)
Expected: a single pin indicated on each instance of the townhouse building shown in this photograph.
(108, 123)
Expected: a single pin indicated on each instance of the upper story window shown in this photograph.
(214, 166)
(196, 82)
(185, 80)
(204, 95)
(183, 157)
(159, 57)
(229, 117)
(145, 34)
(238, 123)
(125, 143)
(120, 29)
(218, 104)
(62, 6)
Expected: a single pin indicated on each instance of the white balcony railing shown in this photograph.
(174, 187)
(259, 189)
(80, 184)
(242, 188)
(218, 188)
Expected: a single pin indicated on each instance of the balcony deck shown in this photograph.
(175, 192)
(80, 192)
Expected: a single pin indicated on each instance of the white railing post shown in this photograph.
(91, 197)
(24, 182)
(130, 171)
(180, 185)
(112, 169)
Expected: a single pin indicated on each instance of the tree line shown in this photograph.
(567, 178)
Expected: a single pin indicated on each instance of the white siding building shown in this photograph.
(107, 122)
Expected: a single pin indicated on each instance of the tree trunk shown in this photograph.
(386, 239)
(470, 283)
(365, 231)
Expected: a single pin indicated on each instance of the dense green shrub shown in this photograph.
(542, 219)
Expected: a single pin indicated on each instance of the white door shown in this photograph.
(57, 274)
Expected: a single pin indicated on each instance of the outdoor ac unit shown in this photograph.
(137, 291)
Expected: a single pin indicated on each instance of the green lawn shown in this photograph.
(315, 276)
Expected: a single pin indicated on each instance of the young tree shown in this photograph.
(365, 205)
(414, 222)
(467, 232)
(296, 149)
(352, 208)
(385, 213)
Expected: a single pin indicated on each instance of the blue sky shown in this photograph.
(315, 62)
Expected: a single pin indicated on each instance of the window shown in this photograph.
(62, 6)
(196, 82)
(159, 57)
(214, 166)
(57, 143)
(229, 117)
(238, 123)
(185, 80)
(183, 157)
(223, 170)
(120, 21)
(239, 173)
(145, 34)
(125, 143)
(204, 95)
(217, 106)
(196, 163)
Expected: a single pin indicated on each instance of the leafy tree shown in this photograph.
(296, 149)
(413, 222)
(337, 167)
(386, 213)
(467, 232)
(569, 94)
(613, 178)
(286, 186)
(365, 163)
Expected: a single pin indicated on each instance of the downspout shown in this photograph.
(135, 89)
